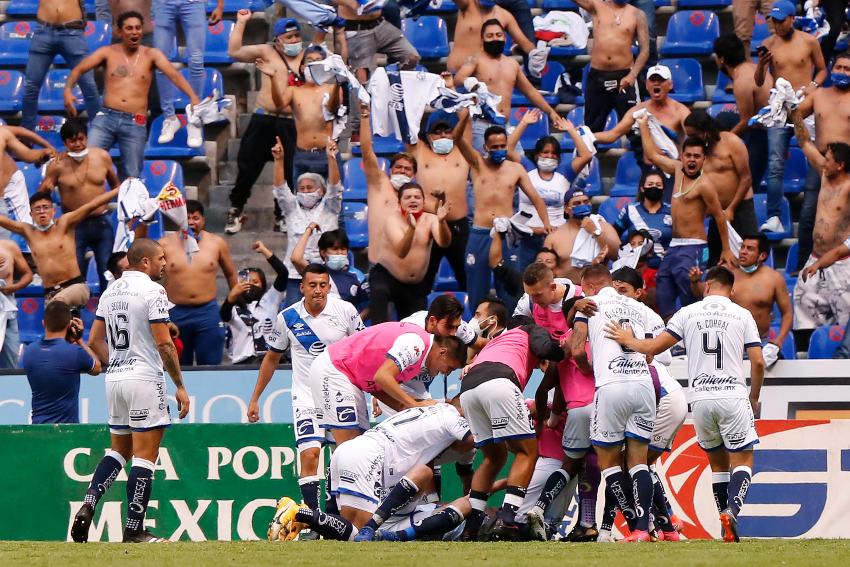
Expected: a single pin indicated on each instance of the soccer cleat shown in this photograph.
(82, 521)
(677, 522)
(669, 536)
(504, 531)
(387, 535)
(366, 533)
(234, 221)
(536, 524)
(773, 224)
(637, 536)
(283, 516)
(142, 536)
(605, 536)
(170, 126)
(582, 534)
(730, 526)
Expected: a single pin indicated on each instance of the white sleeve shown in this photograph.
(676, 325)
(157, 305)
(278, 339)
(354, 322)
(466, 335)
(459, 427)
(523, 306)
(656, 327)
(406, 350)
(751, 332)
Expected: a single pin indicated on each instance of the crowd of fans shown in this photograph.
(453, 193)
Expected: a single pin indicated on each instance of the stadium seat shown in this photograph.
(445, 280)
(548, 82)
(87, 314)
(461, 296)
(215, 50)
(176, 149)
(713, 4)
(788, 348)
(97, 34)
(354, 178)
(233, 6)
(563, 5)
(32, 176)
(611, 207)
(15, 40)
(428, 34)
(760, 33)
(796, 168)
(760, 203)
(627, 176)
(30, 315)
(824, 341)
(791, 261)
(533, 132)
(576, 116)
(718, 107)
(51, 98)
(157, 173)
(11, 91)
(663, 3)
(592, 184)
(356, 227)
(92, 279)
(687, 79)
(720, 95)
(444, 7)
(48, 128)
(212, 81)
(382, 145)
(25, 8)
(691, 32)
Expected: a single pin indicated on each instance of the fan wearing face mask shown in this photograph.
(251, 308)
(316, 200)
(471, 14)
(346, 283)
(648, 213)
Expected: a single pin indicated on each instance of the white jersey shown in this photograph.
(553, 192)
(466, 335)
(250, 326)
(307, 337)
(526, 307)
(716, 333)
(663, 359)
(127, 308)
(417, 436)
(611, 362)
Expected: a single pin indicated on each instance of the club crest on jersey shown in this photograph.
(317, 348)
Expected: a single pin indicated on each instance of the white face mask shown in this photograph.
(476, 326)
(79, 156)
(547, 165)
(308, 200)
(398, 181)
(44, 228)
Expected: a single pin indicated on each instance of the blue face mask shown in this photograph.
(749, 269)
(497, 156)
(487, 4)
(840, 80)
(581, 211)
(336, 262)
(442, 146)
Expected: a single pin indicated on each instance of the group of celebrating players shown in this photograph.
(606, 404)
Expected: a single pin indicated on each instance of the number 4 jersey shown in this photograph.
(716, 332)
(127, 309)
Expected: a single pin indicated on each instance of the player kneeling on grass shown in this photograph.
(365, 469)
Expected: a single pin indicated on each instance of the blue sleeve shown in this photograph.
(527, 163)
(567, 171)
(623, 223)
(84, 360)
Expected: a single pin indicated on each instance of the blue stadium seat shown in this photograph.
(32, 175)
(534, 131)
(215, 50)
(719, 107)
(445, 7)
(428, 34)
(382, 145)
(445, 280)
(354, 178)
(48, 128)
(233, 6)
(26, 8)
(460, 295)
(87, 314)
(611, 207)
(576, 116)
(92, 279)
(788, 348)
(687, 79)
(564, 5)
(592, 185)
(760, 203)
(51, 97)
(627, 176)
(791, 263)
(97, 34)
(548, 82)
(796, 168)
(760, 33)
(176, 149)
(212, 81)
(157, 173)
(356, 227)
(30, 315)
(691, 32)
(713, 4)
(11, 91)
(824, 341)
(15, 38)
(720, 95)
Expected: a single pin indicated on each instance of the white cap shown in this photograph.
(661, 70)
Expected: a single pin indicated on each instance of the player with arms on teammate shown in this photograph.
(130, 333)
(716, 332)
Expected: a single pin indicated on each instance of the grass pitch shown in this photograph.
(754, 553)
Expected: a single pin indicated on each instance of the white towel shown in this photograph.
(134, 205)
(590, 141)
(782, 98)
(585, 247)
(339, 118)
(488, 103)
(537, 59)
(210, 110)
(333, 68)
(571, 24)
(512, 228)
(628, 257)
(735, 240)
(8, 311)
(657, 130)
(399, 100)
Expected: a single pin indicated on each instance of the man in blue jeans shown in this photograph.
(129, 68)
(192, 16)
(59, 32)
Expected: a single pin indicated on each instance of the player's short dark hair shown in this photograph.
(193, 206)
(333, 239)
(496, 308)
(40, 196)
(546, 250)
(694, 142)
(124, 16)
(548, 141)
(519, 321)
(112, 263)
(597, 272)
(730, 47)
(536, 272)
(491, 22)
(315, 269)
(720, 275)
(702, 121)
(260, 274)
(840, 153)
(494, 131)
(72, 128)
(761, 238)
(842, 55)
(445, 306)
(410, 185)
(455, 349)
(628, 275)
(140, 249)
(57, 316)
(404, 155)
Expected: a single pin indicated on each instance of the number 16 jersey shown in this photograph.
(127, 309)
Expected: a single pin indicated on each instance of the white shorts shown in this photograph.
(137, 405)
(623, 409)
(724, 422)
(669, 417)
(357, 474)
(339, 403)
(496, 412)
(576, 440)
(824, 299)
(309, 433)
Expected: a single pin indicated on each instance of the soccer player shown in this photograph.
(306, 328)
(624, 403)
(716, 332)
(131, 334)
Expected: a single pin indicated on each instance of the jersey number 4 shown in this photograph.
(119, 335)
(716, 351)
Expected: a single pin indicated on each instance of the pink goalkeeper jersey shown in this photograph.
(511, 348)
(359, 356)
